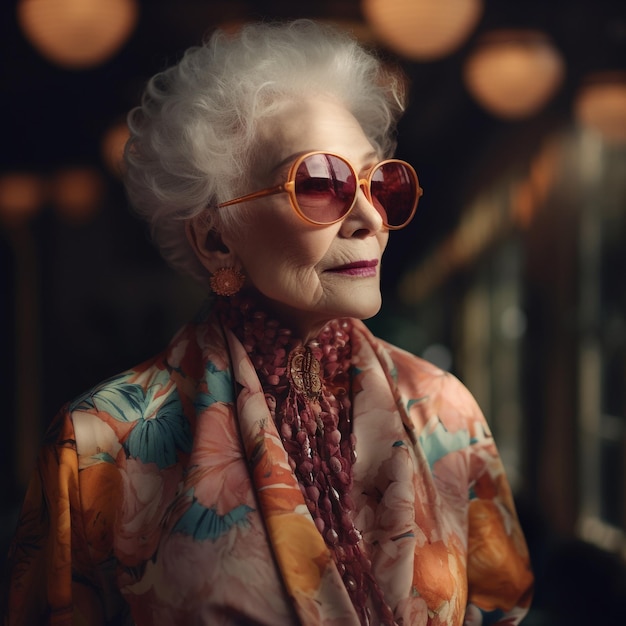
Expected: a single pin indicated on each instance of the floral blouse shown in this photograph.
(164, 496)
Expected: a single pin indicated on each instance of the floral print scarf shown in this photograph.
(164, 496)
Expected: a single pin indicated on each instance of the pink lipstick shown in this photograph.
(358, 268)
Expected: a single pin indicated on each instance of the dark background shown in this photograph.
(93, 296)
(53, 117)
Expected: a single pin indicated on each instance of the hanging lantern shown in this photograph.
(513, 73)
(77, 193)
(600, 106)
(77, 33)
(21, 196)
(422, 30)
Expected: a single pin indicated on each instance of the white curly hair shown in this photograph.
(192, 139)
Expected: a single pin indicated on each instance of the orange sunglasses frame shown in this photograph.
(289, 187)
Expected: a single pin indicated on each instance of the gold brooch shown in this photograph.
(304, 372)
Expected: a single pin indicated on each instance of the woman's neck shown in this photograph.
(305, 328)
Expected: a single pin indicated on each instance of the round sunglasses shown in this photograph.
(323, 187)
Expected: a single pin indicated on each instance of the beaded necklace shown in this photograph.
(307, 390)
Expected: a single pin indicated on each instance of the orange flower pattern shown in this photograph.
(164, 496)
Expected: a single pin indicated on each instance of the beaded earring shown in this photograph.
(226, 281)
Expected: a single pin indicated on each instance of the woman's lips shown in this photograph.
(358, 268)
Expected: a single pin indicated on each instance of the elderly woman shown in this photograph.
(277, 464)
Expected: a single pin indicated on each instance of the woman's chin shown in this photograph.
(308, 318)
(361, 310)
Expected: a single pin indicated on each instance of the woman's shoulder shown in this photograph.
(149, 401)
(425, 388)
(137, 390)
(400, 361)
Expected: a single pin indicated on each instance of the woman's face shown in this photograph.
(311, 274)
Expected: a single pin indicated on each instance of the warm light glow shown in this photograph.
(529, 194)
(77, 33)
(21, 196)
(513, 74)
(113, 144)
(77, 193)
(600, 106)
(422, 29)
(362, 32)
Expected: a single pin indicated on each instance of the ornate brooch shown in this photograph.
(304, 372)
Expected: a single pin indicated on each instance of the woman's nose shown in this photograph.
(363, 220)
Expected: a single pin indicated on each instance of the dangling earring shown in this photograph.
(226, 281)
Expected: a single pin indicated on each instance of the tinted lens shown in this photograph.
(394, 192)
(325, 188)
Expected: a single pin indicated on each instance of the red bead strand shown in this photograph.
(316, 430)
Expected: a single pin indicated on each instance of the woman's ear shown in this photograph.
(208, 245)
